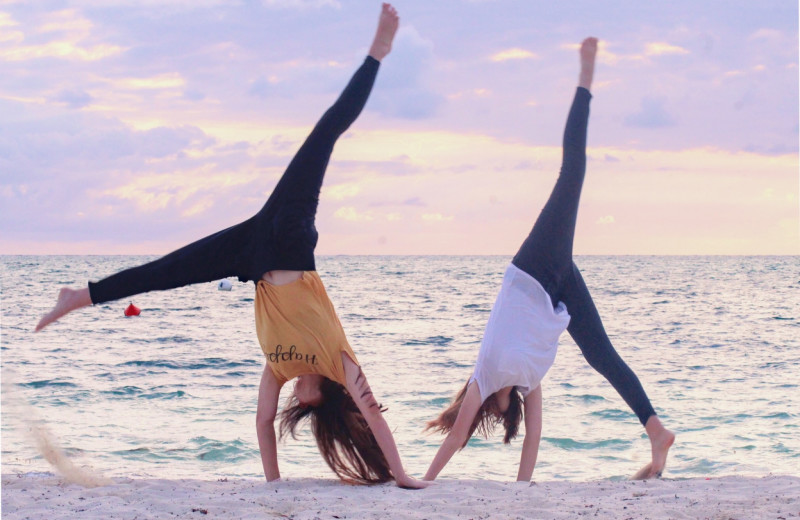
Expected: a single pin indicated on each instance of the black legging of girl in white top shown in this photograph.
(547, 256)
(281, 236)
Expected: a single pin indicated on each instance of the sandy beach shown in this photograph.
(45, 496)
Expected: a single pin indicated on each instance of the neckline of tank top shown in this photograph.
(293, 282)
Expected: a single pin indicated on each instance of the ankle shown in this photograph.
(77, 298)
(377, 52)
(585, 78)
(653, 426)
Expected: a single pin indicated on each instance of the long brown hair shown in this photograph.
(487, 418)
(343, 436)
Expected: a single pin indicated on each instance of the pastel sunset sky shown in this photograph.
(139, 126)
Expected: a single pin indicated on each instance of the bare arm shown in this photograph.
(362, 395)
(458, 435)
(533, 434)
(268, 393)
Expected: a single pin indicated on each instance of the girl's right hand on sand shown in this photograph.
(407, 482)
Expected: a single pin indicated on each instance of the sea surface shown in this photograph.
(172, 393)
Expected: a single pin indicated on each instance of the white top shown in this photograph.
(521, 338)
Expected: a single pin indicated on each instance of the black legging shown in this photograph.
(547, 256)
(280, 236)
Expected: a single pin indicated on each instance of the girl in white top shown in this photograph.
(521, 338)
(542, 295)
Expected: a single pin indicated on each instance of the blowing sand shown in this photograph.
(45, 496)
(39, 435)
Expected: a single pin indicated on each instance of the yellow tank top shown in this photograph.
(299, 331)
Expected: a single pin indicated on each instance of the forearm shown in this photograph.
(530, 451)
(459, 433)
(380, 429)
(446, 451)
(362, 395)
(533, 434)
(268, 445)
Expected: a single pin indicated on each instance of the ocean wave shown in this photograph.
(215, 363)
(433, 340)
(49, 383)
(566, 443)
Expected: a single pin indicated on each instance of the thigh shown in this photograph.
(540, 261)
(546, 253)
(301, 183)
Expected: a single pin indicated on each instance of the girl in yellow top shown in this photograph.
(298, 329)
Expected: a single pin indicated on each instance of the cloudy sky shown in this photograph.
(138, 126)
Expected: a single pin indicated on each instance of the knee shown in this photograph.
(601, 357)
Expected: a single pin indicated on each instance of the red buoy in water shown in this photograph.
(132, 310)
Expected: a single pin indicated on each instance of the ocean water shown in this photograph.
(172, 393)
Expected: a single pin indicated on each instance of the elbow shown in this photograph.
(264, 420)
(372, 412)
(369, 406)
(457, 439)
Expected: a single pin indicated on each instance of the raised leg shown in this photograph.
(546, 254)
(302, 180)
(280, 236)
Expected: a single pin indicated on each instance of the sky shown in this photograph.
(135, 127)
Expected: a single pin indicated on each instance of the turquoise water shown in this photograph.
(172, 393)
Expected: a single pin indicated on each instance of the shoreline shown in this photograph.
(46, 496)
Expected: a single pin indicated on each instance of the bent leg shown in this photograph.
(587, 330)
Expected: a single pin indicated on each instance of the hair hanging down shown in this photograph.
(487, 418)
(343, 436)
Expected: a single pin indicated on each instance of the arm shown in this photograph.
(533, 434)
(362, 395)
(458, 435)
(268, 393)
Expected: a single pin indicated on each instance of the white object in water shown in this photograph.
(225, 285)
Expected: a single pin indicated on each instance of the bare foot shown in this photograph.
(659, 447)
(645, 473)
(661, 441)
(387, 27)
(588, 53)
(68, 301)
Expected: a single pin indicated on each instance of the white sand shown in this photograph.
(44, 496)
